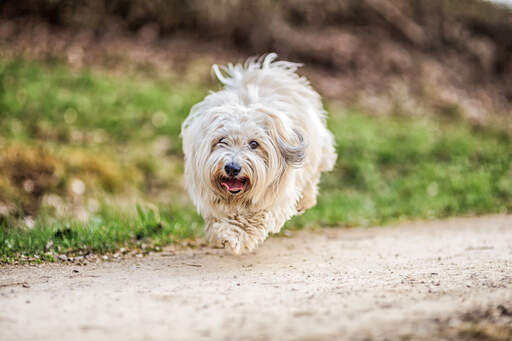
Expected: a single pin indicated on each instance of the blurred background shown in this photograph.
(92, 95)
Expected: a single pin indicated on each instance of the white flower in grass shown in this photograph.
(29, 222)
(78, 186)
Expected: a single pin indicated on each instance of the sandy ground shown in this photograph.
(444, 279)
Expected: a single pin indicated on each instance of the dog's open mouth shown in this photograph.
(233, 185)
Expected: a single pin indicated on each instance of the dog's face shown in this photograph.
(245, 153)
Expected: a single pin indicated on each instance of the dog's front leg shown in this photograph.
(240, 232)
(222, 233)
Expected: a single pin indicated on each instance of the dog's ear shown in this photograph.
(293, 149)
(290, 142)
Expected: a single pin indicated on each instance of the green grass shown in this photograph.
(105, 232)
(393, 168)
(118, 135)
(50, 102)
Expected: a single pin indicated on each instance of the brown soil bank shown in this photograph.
(443, 280)
(447, 55)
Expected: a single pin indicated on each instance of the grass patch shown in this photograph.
(79, 150)
(53, 103)
(107, 231)
(393, 168)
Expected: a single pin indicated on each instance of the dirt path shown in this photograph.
(447, 278)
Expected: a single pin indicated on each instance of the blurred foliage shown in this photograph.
(80, 149)
(54, 105)
(237, 19)
(267, 25)
(111, 135)
(431, 53)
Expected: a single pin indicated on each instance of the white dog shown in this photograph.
(254, 151)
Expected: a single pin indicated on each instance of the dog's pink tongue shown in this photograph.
(233, 185)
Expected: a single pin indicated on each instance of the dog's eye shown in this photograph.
(222, 141)
(253, 144)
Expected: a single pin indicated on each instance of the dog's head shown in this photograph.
(245, 153)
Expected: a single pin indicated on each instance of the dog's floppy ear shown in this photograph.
(290, 142)
(293, 154)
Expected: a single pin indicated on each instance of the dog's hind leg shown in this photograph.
(309, 194)
(310, 191)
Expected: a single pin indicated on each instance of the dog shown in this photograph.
(255, 150)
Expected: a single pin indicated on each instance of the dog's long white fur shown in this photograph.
(265, 101)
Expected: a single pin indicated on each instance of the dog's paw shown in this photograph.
(225, 236)
(232, 237)
(232, 244)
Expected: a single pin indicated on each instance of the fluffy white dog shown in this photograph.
(254, 151)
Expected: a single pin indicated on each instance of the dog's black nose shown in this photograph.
(232, 169)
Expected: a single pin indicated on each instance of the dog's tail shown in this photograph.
(232, 75)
